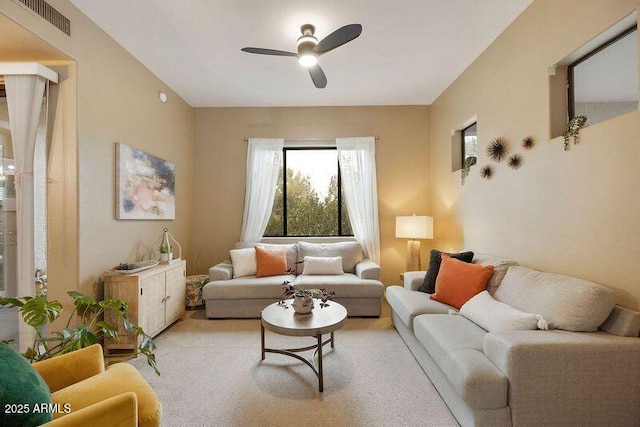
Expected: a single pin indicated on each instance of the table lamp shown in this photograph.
(414, 227)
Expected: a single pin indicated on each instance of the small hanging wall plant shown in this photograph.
(498, 149)
(573, 131)
(466, 167)
(486, 172)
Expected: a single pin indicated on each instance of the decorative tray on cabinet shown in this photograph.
(135, 267)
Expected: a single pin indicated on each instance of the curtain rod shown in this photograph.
(309, 139)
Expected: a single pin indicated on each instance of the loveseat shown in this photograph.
(583, 371)
(358, 288)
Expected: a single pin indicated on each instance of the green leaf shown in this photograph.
(108, 330)
(11, 302)
(116, 305)
(37, 312)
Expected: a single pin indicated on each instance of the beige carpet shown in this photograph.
(212, 376)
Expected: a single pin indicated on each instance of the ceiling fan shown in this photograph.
(309, 49)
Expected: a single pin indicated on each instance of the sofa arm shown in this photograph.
(568, 378)
(120, 410)
(414, 279)
(67, 369)
(222, 271)
(367, 269)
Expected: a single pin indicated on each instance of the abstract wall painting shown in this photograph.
(145, 185)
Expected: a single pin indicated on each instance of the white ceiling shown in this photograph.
(408, 53)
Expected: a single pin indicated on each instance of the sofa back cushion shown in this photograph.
(500, 267)
(622, 322)
(292, 251)
(351, 253)
(564, 302)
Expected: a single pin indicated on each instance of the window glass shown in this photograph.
(310, 202)
(469, 142)
(604, 83)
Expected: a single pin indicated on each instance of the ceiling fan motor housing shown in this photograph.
(307, 41)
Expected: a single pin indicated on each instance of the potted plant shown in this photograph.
(166, 253)
(303, 298)
(84, 327)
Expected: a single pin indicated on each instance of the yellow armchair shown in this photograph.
(83, 392)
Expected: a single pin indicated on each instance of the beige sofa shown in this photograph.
(556, 377)
(359, 289)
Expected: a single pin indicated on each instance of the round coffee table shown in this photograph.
(282, 320)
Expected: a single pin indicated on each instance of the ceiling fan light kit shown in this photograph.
(309, 49)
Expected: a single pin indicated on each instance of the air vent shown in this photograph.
(48, 12)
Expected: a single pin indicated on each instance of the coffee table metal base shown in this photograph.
(292, 353)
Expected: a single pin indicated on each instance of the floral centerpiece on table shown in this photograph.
(303, 298)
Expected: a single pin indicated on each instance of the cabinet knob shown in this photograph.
(168, 296)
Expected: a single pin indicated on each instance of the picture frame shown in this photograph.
(145, 185)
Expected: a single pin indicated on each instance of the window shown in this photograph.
(469, 141)
(604, 83)
(309, 199)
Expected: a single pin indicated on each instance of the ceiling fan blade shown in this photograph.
(338, 38)
(261, 51)
(318, 77)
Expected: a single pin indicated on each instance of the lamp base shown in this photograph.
(413, 255)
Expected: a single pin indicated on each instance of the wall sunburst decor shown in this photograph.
(497, 149)
(514, 161)
(486, 172)
(528, 142)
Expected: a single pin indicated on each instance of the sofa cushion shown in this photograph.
(565, 302)
(456, 346)
(322, 265)
(21, 388)
(408, 304)
(291, 248)
(270, 261)
(459, 281)
(351, 253)
(244, 262)
(494, 315)
(429, 284)
(345, 285)
(622, 322)
(500, 267)
(249, 287)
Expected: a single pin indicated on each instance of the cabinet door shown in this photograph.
(175, 300)
(152, 303)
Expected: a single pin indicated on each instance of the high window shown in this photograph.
(604, 83)
(309, 199)
(469, 141)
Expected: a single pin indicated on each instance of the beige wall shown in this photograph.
(572, 212)
(402, 162)
(116, 99)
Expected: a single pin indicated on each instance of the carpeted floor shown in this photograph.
(212, 375)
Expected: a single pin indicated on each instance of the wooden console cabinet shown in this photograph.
(155, 299)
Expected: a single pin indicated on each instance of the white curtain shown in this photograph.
(24, 101)
(357, 159)
(264, 159)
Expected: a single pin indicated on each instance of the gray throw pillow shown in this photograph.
(429, 284)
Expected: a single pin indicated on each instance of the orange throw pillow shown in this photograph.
(459, 281)
(271, 261)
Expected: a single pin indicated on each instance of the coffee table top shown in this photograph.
(285, 321)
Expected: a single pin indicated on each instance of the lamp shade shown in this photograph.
(414, 227)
